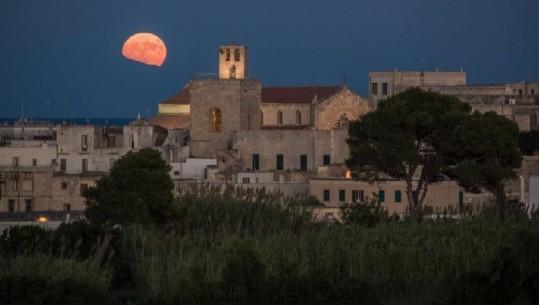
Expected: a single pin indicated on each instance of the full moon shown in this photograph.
(146, 48)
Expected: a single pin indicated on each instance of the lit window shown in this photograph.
(216, 120)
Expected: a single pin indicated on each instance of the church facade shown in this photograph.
(248, 127)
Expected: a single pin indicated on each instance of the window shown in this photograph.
(519, 91)
(64, 185)
(303, 162)
(84, 144)
(67, 207)
(132, 140)
(15, 185)
(83, 187)
(280, 162)
(176, 173)
(63, 164)
(233, 72)
(84, 165)
(342, 123)
(398, 197)
(237, 55)
(374, 89)
(16, 161)
(298, 118)
(357, 196)
(279, 117)
(216, 120)
(342, 195)
(533, 91)
(227, 55)
(11, 205)
(34, 162)
(461, 199)
(28, 207)
(53, 161)
(384, 88)
(326, 160)
(245, 180)
(326, 195)
(381, 196)
(256, 162)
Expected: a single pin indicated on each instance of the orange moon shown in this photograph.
(146, 48)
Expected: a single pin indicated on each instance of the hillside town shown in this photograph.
(230, 128)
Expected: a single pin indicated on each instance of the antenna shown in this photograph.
(22, 111)
(71, 111)
(344, 79)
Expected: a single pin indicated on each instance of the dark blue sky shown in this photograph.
(70, 50)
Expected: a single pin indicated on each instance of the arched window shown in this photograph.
(216, 120)
(298, 117)
(279, 117)
(237, 55)
(227, 55)
(342, 122)
(233, 72)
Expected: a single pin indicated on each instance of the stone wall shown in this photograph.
(267, 144)
(238, 104)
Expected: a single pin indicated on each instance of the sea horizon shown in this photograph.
(108, 121)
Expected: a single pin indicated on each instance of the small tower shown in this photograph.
(233, 62)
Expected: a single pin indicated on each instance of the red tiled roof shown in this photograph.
(170, 121)
(182, 97)
(296, 94)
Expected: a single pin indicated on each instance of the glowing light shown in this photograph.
(42, 219)
(146, 48)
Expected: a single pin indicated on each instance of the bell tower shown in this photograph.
(233, 62)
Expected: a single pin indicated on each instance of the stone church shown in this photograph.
(247, 127)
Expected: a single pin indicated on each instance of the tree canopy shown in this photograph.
(486, 152)
(137, 190)
(421, 137)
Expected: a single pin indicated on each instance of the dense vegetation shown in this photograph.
(231, 246)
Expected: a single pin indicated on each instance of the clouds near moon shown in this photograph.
(146, 48)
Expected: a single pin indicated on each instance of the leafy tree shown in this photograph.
(137, 190)
(486, 152)
(402, 137)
